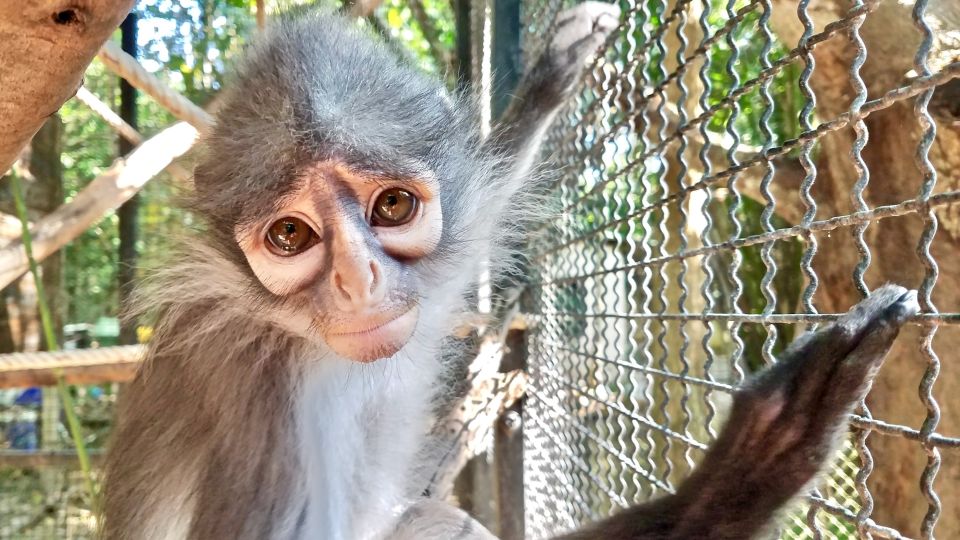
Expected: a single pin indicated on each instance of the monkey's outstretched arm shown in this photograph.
(578, 34)
(783, 427)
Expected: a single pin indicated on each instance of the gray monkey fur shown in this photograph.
(230, 430)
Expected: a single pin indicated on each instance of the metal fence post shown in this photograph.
(508, 448)
(506, 55)
(507, 59)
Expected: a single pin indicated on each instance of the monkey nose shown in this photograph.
(358, 287)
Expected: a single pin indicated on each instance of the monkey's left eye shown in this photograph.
(394, 207)
(290, 236)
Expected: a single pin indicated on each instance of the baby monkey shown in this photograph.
(346, 202)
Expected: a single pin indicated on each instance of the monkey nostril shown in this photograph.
(374, 277)
(338, 285)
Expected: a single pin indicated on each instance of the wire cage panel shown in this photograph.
(711, 206)
(43, 494)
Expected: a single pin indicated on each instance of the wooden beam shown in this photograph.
(100, 365)
(127, 67)
(45, 46)
(468, 429)
(45, 459)
(104, 193)
(83, 366)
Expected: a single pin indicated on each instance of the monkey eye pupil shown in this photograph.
(394, 207)
(290, 236)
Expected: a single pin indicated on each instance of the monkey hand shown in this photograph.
(431, 519)
(577, 34)
(782, 429)
(785, 424)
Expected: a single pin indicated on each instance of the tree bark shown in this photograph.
(42, 175)
(44, 195)
(45, 46)
(891, 41)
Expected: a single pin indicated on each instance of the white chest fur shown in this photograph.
(361, 428)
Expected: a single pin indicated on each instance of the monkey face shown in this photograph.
(345, 245)
(324, 188)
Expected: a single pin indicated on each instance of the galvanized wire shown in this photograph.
(660, 283)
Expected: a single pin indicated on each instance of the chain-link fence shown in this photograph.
(729, 171)
(730, 174)
(42, 491)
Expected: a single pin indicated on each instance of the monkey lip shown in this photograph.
(373, 338)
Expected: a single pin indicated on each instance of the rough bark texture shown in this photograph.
(45, 46)
(891, 40)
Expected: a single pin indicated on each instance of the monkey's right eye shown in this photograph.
(289, 236)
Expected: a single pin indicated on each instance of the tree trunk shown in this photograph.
(45, 46)
(894, 134)
(43, 193)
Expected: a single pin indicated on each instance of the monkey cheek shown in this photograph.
(380, 341)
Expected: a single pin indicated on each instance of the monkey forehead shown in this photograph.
(315, 89)
(326, 81)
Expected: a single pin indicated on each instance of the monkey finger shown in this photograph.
(890, 303)
(854, 374)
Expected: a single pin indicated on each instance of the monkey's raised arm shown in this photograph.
(578, 33)
(783, 427)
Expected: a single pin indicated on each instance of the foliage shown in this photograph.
(188, 45)
(403, 27)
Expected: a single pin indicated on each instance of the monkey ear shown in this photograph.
(204, 196)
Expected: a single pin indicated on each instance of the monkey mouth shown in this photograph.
(367, 339)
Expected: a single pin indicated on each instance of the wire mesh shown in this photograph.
(42, 490)
(698, 231)
(708, 204)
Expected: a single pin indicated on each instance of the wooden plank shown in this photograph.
(45, 459)
(468, 429)
(84, 366)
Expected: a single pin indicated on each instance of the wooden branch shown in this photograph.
(468, 429)
(45, 46)
(127, 67)
(112, 119)
(56, 459)
(104, 193)
(82, 366)
(10, 228)
(125, 130)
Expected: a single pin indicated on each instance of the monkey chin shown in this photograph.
(375, 337)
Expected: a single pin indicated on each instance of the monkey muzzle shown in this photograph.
(373, 337)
